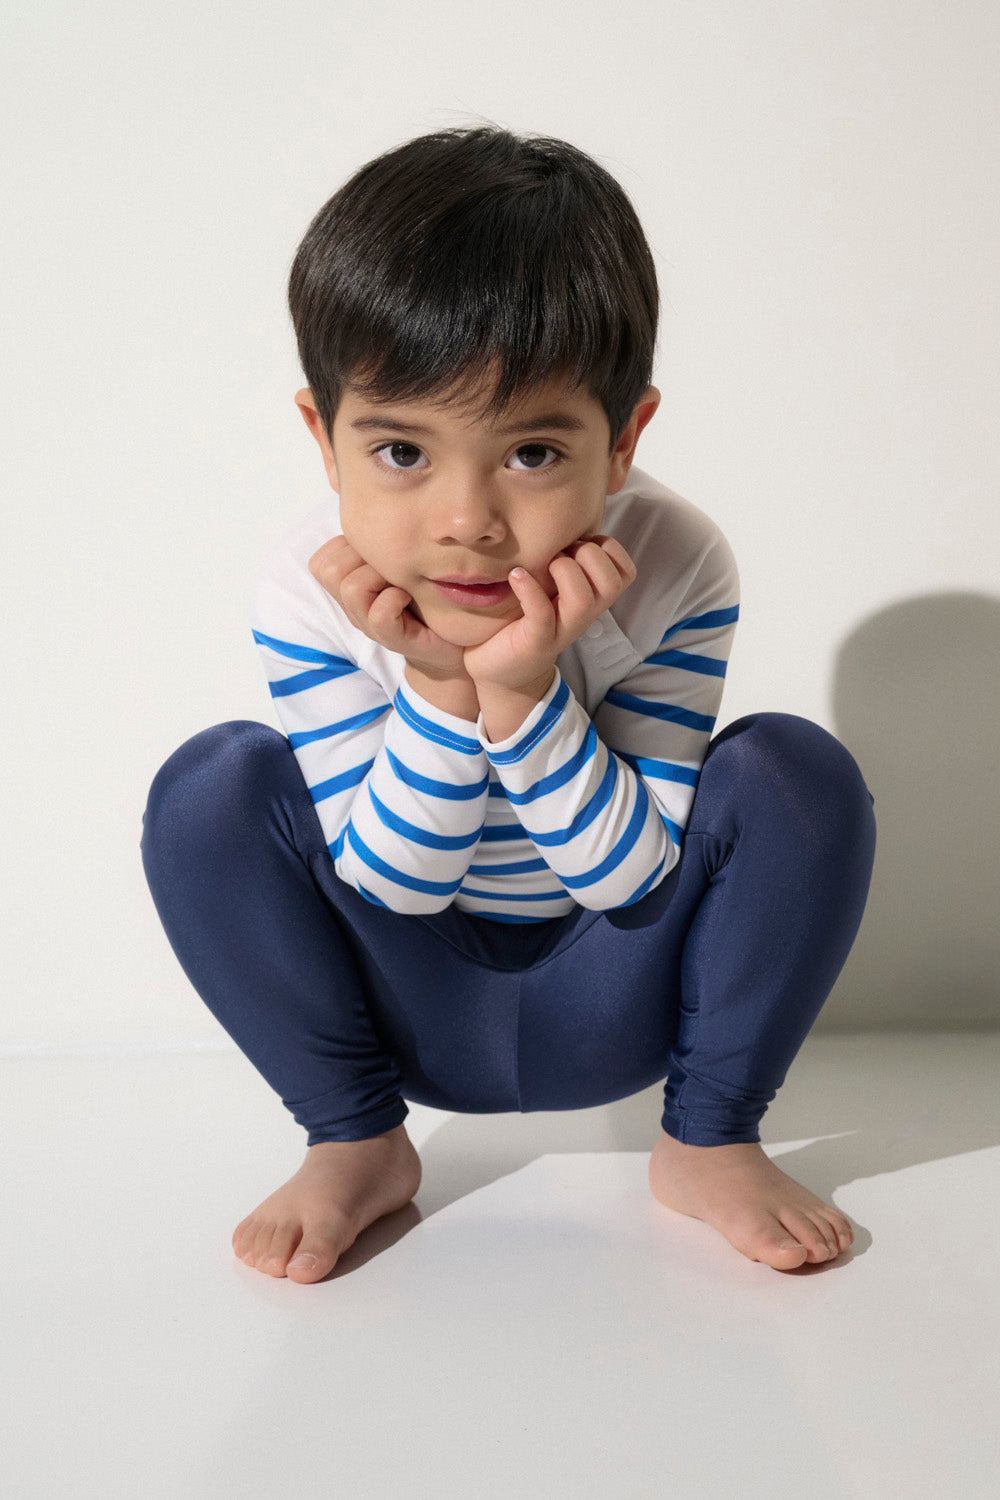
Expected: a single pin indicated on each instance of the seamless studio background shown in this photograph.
(819, 183)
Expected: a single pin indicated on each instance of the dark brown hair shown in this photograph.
(472, 248)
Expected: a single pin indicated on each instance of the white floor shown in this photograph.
(533, 1325)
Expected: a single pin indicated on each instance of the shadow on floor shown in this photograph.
(866, 1103)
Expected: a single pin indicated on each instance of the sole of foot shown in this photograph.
(301, 1230)
(763, 1213)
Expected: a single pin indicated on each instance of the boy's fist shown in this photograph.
(379, 609)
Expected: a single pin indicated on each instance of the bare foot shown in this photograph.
(762, 1212)
(340, 1188)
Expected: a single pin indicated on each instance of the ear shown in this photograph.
(621, 458)
(307, 406)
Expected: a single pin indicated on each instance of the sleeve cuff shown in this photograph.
(540, 720)
(417, 711)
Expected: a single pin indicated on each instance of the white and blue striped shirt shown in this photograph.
(585, 804)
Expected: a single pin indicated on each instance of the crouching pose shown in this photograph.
(499, 860)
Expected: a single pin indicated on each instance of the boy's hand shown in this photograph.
(589, 576)
(379, 609)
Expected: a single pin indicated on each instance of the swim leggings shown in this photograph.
(710, 982)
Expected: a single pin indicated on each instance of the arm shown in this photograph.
(400, 787)
(607, 802)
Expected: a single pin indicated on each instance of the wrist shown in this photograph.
(453, 693)
(504, 709)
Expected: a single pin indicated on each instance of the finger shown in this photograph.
(577, 593)
(385, 617)
(534, 601)
(608, 577)
(361, 587)
(610, 547)
(335, 558)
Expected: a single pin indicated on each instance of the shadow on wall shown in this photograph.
(915, 699)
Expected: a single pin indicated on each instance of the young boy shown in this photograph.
(499, 863)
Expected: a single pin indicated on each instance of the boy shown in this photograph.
(499, 863)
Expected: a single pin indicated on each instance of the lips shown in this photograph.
(473, 593)
(470, 581)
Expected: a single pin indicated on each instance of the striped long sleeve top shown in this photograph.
(585, 804)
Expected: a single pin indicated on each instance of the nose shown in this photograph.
(466, 510)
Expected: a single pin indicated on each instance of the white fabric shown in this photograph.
(586, 803)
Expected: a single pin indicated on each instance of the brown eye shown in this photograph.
(534, 455)
(401, 456)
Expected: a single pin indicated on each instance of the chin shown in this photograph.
(464, 630)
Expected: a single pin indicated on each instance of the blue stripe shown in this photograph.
(447, 789)
(586, 751)
(711, 666)
(430, 887)
(307, 736)
(335, 784)
(519, 867)
(503, 833)
(304, 653)
(587, 814)
(660, 770)
(420, 835)
(431, 731)
(706, 621)
(541, 729)
(621, 849)
(303, 680)
(675, 830)
(668, 711)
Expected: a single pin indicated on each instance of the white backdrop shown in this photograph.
(819, 184)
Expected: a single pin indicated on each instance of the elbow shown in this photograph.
(405, 900)
(636, 893)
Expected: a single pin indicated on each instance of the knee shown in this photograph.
(218, 767)
(802, 763)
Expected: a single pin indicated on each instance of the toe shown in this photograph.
(316, 1255)
(821, 1218)
(241, 1235)
(259, 1248)
(284, 1240)
(767, 1239)
(843, 1233)
(819, 1242)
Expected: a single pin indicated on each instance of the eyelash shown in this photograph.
(400, 442)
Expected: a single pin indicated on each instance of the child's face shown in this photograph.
(429, 491)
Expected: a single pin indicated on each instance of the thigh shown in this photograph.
(448, 1022)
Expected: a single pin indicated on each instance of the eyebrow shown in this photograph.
(554, 421)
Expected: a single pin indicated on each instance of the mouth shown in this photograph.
(479, 593)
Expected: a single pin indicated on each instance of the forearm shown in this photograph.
(587, 812)
(418, 816)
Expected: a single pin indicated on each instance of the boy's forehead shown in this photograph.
(555, 403)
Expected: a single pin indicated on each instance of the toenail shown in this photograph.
(303, 1263)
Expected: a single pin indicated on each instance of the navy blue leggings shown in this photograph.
(347, 1009)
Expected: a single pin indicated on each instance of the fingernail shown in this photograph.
(517, 572)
